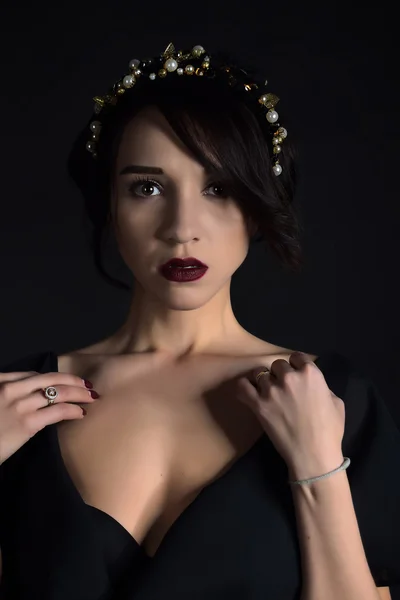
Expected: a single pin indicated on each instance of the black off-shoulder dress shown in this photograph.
(236, 541)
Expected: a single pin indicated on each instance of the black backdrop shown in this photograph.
(334, 68)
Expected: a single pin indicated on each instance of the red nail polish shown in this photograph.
(94, 394)
(87, 383)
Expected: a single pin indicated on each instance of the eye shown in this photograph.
(219, 186)
(145, 183)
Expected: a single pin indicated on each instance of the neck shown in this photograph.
(154, 326)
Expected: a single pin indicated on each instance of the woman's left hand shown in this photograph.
(302, 417)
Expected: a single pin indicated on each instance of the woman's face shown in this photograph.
(182, 212)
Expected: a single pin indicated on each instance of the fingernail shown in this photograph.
(94, 394)
(84, 411)
(87, 383)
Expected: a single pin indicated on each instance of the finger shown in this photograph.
(16, 375)
(279, 367)
(246, 392)
(37, 420)
(66, 393)
(15, 387)
(299, 360)
(257, 374)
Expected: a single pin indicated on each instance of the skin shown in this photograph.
(177, 342)
(183, 218)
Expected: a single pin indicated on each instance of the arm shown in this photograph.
(333, 560)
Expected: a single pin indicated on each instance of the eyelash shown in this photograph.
(141, 180)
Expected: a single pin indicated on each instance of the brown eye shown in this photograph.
(219, 190)
(144, 185)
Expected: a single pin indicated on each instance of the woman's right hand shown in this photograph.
(24, 410)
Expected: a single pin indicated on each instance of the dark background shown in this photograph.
(333, 65)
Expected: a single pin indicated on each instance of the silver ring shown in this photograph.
(261, 373)
(51, 394)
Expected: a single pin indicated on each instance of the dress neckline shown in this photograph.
(235, 467)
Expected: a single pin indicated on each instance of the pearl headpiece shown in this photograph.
(189, 63)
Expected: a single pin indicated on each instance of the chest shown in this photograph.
(148, 447)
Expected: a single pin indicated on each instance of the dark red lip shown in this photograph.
(183, 262)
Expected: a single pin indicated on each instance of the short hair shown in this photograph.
(223, 130)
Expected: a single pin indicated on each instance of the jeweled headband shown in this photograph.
(194, 62)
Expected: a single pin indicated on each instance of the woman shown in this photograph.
(175, 483)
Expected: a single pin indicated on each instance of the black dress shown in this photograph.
(236, 541)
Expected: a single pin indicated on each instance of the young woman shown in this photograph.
(176, 482)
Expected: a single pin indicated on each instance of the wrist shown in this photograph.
(313, 467)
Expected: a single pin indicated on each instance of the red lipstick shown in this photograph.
(183, 269)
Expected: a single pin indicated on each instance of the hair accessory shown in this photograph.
(195, 62)
(342, 467)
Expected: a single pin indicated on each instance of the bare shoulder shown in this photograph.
(273, 352)
(81, 359)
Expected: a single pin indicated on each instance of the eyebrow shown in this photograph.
(141, 169)
(157, 170)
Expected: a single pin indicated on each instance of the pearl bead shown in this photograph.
(180, 71)
(197, 51)
(171, 65)
(134, 63)
(128, 81)
(277, 169)
(152, 76)
(277, 149)
(272, 116)
(90, 146)
(95, 126)
(189, 69)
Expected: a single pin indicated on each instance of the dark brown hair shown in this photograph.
(225, 131)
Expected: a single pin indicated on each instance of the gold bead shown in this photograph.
(199, 71)
(189, 69)
(269, 100)
(282, 132)
(99, 101)
(162, 73)
(277, 149)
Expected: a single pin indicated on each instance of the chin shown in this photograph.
(183, 303)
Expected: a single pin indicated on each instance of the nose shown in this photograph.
(181, 222)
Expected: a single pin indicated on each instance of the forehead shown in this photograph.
(148, 130)
(149, 139)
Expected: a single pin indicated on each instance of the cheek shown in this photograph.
(134, 242)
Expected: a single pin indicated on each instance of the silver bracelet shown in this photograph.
(342, 467)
